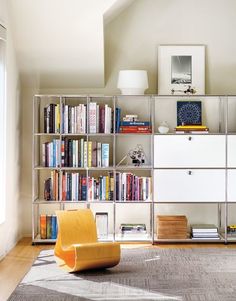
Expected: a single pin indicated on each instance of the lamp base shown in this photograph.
(132, 91)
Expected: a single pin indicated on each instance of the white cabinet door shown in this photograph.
(173, 151)
(232, 151)
(185, 185)
(232, 185)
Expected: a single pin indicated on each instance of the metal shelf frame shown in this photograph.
(152, 103)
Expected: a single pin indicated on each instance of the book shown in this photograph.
(90, 154)
(43, 226)
(135, 123)
(204, 228)
(54, 227)
(105, 155)
(49, 226)
(92, 117)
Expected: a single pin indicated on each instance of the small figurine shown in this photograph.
(136, 155)
(189, 90)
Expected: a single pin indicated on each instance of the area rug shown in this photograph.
(196, 274)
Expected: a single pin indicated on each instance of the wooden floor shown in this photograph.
(19, 260)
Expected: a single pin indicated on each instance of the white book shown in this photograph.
(76, 153)
(124, 186)
(85, 119)
(120, 187)
(66, 119)
(92, 117)
(106, 119)
(73, 153)
(85, 154)
(105, 155)
(79, 119)
(98, 116)
(72, 120)
(44, 154)
(144, 188)
(75, 120)
(109, 121)
(82, 152)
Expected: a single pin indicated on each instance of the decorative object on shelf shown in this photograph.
(188, 91)
(163, 128)
(136, 155)
(189, 113)
(132, 82)
(102, 224)
(181, 69)
(231, 229)
(172, 226)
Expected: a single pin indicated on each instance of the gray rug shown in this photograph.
(143, 274)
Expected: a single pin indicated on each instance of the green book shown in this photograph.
(49, 226)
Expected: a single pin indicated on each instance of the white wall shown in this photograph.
(10, 230)
(131, 41)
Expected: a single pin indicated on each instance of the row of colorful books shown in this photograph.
(48, 226)
(100, 120)
(75, 153)
(129, 187)
(80, 153)
(52, 118)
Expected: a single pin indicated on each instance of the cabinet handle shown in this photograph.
(190, 138)
(190, 172)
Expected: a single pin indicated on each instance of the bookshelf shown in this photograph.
(177, 166)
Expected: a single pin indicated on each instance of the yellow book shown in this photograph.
(90, 154)
(191, 126)
(58, 117)
(107, 188)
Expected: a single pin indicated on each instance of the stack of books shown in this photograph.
(74, 187)
(131, 124)
(133, 229)
(172, 227)
(192, 129)
(101, 188)
(204, 231)
(51, 187)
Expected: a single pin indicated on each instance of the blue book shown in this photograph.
(54, 227)
(105, 155)
(135, 123)
(54, 152)
(118, 111)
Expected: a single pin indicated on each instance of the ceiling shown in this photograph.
(60, 43)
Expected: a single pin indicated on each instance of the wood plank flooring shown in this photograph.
(19, 260)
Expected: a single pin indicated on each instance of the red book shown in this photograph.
(101, 119)
(43, 226)
(135, 129)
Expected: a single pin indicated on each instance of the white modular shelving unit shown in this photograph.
(192, 174)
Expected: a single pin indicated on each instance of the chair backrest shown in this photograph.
(76, 226)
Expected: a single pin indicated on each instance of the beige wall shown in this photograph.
(10, 230)
(131, 41)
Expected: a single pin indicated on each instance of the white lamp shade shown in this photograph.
(132, 82)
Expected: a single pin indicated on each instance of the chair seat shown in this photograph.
(77, 248)
(89, 256)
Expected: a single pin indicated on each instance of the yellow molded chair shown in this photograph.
(77, 247)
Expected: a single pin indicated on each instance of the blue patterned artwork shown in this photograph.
(189, 113)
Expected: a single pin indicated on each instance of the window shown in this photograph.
(2, 122)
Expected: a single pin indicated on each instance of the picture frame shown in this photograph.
(101, 219)
(181, 69)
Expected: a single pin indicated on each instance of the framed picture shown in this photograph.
(189, 113)
(181, 69)
(101, 219)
